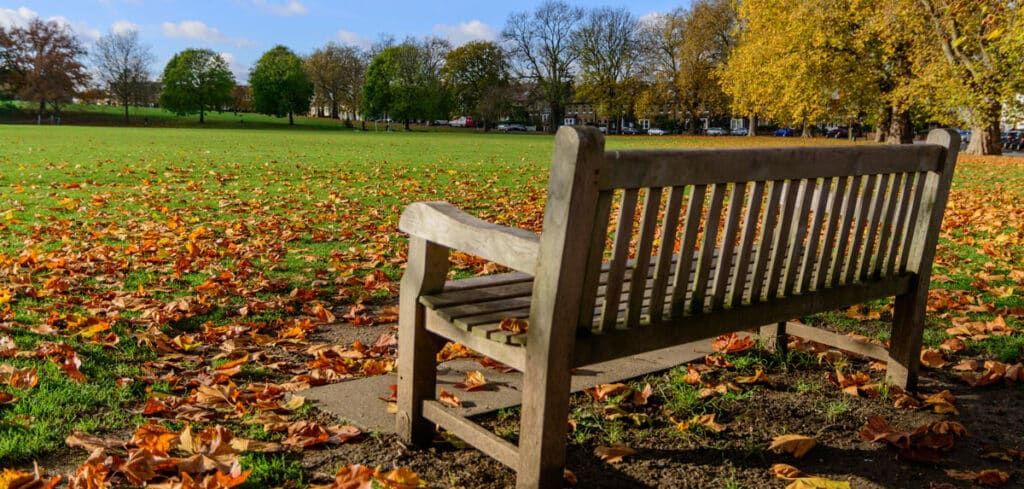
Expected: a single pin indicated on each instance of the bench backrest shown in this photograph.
(667, 234)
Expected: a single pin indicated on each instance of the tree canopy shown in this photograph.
(196, 80)
(477, 76)
(280, 85)
(42, 62)
(403, 82)
(606, 43)
(337, 73)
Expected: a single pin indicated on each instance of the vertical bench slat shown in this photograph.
(899, 224)
(691, 225)
(648, 221)
(849, 209)
(739, 280)
(728, 248)
(764, 244)
(665, 251)
(885, 227)
(879, 202)
(592, 276)
(864, 204)
(707, 248)
(809, 192)
(908, 228)
(835, 209)
(780, 244)
(812, 256)
(620, 255)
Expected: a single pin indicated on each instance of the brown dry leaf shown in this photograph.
(933, 358)
(817, 483)
(1015, 373)
(941, 402)
(692, 375)
(474, 381)
(601, 392)
(717, 361)
(968, 365)
(797, 445)
(785, 471)
(732, 343)
(400, 478)
(988, 477)
(91, 443)
(569, 477)
(6, 398)
(706, 421)
(614, 453)
(139, 467)
(953, 344)
(451, 351)
(759, 377)
(16, 479)
(449, 399)
(493, 364)
(18, 378)
(514, 325)
(158, 440)
(640, 397)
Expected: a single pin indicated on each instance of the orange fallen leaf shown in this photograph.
(759, 377)
(706, 421)
(474, 381)
(601, 392)
(785, 471)
(449, 399)
(732, 343)
(640, 397)
(614, 453)
(933, 358)
(514, 325)
(797, 445)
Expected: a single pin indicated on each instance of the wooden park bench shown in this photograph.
(647, 249)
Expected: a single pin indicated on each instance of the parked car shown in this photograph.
(1013, 140)
(838, 133)
(739, 131)
(515, 128)
(654, 131)
(716, 131)
(785, 132)
(631, 131)
(440, 122)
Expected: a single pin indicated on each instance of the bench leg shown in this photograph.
(417, 350)
(905, 342)
(774, 337)
(543, 429)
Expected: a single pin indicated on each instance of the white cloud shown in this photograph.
(16, 18)
(123, 27)
(240, 71)
(353, 39)
(292, 7)
(194, 29)
(651, 18)
(473, 30)
(86, 33)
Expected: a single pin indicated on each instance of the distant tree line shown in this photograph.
(890, 64)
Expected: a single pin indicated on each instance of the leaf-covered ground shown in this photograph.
(164, 291)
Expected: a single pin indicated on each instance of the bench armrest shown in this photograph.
(447, 225)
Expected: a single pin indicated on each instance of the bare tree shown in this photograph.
(542, 49)
(43, 63)
(660, 38)
(607, 50)
(123, 64)
(337, 73)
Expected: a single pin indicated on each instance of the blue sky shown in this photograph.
(241, 30)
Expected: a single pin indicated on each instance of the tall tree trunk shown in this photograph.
(806, 131)
(42, 107)
(334, 110)
(291, 120)
(557, 117)
(901, 131)
(201, 120)
(985, 136)
(884, 121)
(753, 126)
(125, 102)
(407, 125)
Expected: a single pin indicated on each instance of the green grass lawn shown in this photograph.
(123, 225)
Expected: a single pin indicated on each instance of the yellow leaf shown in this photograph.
(614, 453)
(798, 445)
(817, 483)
